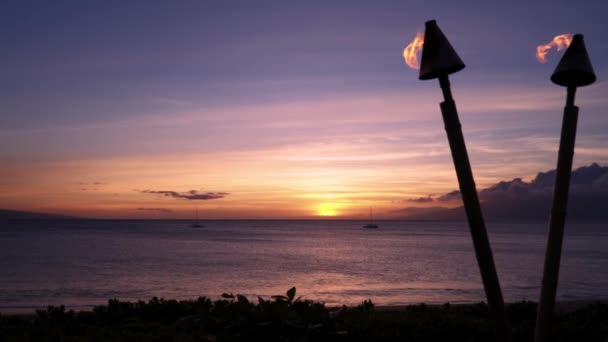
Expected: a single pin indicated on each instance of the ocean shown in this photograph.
(82, 263)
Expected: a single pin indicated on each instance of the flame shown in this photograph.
(410, 53)
(561, 41)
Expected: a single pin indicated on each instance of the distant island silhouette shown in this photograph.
(28, 215)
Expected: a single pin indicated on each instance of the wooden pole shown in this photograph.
(546, 305)
(483, 251)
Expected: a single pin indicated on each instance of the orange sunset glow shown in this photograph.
(287, 175)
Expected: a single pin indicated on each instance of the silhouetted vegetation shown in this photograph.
(287, 318)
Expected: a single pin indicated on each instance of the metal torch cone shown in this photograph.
(438, 61)
(574, 70)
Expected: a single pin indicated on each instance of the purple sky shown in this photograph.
(276, 101)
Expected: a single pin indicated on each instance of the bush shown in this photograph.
(287, 318)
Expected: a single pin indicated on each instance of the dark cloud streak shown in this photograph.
(427, 199)
(188, 195)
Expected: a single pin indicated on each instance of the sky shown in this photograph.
(276, 109)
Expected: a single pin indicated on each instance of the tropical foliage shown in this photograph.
(287, 318)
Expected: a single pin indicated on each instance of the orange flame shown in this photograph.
(410, 53)
(561, 42)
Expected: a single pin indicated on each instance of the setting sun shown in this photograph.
(326, 209)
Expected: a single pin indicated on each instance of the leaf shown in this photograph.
(226, 295)
(279, 298)
(291, 293)
(242, 299)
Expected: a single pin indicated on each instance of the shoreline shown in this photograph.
(561, 307)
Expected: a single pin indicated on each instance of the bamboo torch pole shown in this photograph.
(574, 70)
(438, 61)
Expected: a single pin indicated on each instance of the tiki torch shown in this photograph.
(574, 70)
(439, 60)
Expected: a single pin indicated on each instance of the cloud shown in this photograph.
(90, 183)
(420, 199)
(450, 196)
(584, 180)
(162, 210)
(520, 200)
(89, 186)
(189, 195)
(592, 178)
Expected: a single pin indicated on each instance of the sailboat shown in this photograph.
(371, 224)
(196, 223)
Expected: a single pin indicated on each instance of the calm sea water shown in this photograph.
(83, 263)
